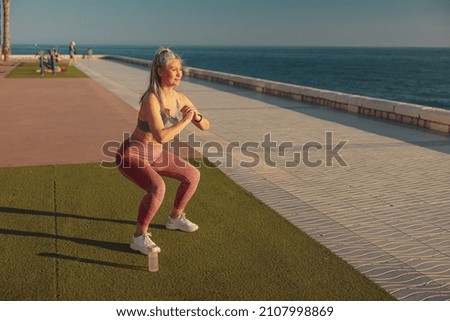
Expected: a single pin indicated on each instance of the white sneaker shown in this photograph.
(143, 243)
(181, 223)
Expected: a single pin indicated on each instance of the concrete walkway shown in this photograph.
(382, 203)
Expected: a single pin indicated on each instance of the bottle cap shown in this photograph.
(154, 250)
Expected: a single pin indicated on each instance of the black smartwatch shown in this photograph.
(201, 117)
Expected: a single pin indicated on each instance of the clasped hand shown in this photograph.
(189, 112)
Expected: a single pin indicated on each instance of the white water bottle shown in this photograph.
(152, 260)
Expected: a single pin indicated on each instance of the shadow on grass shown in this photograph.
(22, 211)
(13, 210)
(113, 246)
(90, 261)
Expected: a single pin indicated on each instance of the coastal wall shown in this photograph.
(437, 119)
(423, 116)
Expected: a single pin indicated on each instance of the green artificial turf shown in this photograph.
(32, 70)
(65, 232)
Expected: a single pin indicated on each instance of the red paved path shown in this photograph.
(58, 121)
(48, 121)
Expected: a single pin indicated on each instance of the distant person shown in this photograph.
(41, 57)
(163, 114)
(72, 53)
(49, 62)
(58, 57)
(52, 59)
(88, 54)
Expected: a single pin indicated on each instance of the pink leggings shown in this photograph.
(144, 164)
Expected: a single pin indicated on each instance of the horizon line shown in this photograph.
(236, 45)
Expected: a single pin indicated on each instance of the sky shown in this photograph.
(387, 23)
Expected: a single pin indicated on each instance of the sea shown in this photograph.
(415, 75)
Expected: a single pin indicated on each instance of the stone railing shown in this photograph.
(428, 117)
(437, 119)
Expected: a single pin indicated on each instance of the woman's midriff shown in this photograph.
(140, 146)
(139, 134)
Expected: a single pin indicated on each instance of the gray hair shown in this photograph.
(160, 60)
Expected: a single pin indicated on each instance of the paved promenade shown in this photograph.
(384, 209)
